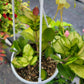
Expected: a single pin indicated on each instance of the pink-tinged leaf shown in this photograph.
(2, 51)
(2, 33)
(0, 63)
(1, 58)
(2, 55)
(6, 36)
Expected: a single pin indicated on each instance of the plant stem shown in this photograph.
(61, 13)
(61, 19)
(67, 58)
(56, 14)
(37, 49)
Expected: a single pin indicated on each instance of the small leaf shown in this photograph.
(43, 74)
(49, 52)
(16, 46)
(56, 58)
(44, 45)
(34, 60)
(21, 42)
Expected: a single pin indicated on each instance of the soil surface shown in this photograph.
(31, 73)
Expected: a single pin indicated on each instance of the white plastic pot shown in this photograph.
(30, 82)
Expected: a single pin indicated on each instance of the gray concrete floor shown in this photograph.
(73, 15)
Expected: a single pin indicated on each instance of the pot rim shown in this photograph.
(30, 82)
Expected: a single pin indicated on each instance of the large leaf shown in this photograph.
(24, 19)
(44, 25)
(58, 23)
(20, 62)
(21, 42)
(75, 35)
(28, 51)
(71, 60)
(48, 34)
(65, 71)
(65, 42)
(57, 47)
(28, 36)
(81, 53)
(78, 69)
(79, 61)
(28, 14)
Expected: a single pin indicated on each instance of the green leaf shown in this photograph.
(34, 60)
(43, 74)
(66, 24)
(52, 24)
(22, 42)
(56, 58)
(74, 42)
(44, 25)
(65, 42)
(28, 36)
(57, 47)
(78, 69)
(28, 14)
(65, 71)
(48, 34)
(44, 45)
(79, 61)
(29, 58)
(20, 62)
(81, 53)
(49, 52)
(28, 50)
(58, 23)
(16, 46)
(71, 60)
(24, 19)
(74, 35)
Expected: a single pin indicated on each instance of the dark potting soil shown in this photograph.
(31, 73)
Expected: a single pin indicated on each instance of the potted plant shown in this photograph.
(56, 40)
(26, 50)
